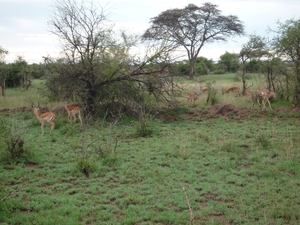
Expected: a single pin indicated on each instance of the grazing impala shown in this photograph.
(45, 117)
(192, 97)
(73, 110)
(231, 90)
(265, 94)
(204, 90)
(251, 96)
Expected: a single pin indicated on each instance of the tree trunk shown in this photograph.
(90, 101)
(244, 79)
(297, 88)
(192, 68)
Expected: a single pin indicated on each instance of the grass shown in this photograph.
(234, 172)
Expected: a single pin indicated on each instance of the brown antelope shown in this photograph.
(204, 90)
(265, 94)
(45, 117)
(73, 110)
(251, 96)
(192, 97)
(231, 90)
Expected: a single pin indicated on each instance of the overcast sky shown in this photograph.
(24, 30)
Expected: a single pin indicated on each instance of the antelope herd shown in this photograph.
(262, 96)
(49, 117)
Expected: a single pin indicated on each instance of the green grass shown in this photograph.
(234, 171)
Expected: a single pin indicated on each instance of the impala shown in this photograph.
(45, 117)
(192, 97)
(251, 96)
(73, 110)
(231, 90)
(204, 90)
(265, 94)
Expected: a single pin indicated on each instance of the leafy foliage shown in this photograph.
(287, 44)
(229, 62)
(13, 143)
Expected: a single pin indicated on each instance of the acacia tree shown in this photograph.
(287, 43)
(192, 27)
(96, 67)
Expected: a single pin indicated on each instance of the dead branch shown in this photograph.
(190, 209)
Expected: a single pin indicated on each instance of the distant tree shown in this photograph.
(3, 53)
(287, 44)
(253, 66)
(16, 73)
(183, 67)
(229, 62)
(192, 27)
(204, 66)
(36, 71)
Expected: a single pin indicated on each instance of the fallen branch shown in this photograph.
(190, 209)
(10, 193)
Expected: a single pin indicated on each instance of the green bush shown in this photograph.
(263, 140)
(12, 141)
(143, 128)
(85, 165)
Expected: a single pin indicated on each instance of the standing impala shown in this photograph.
(231, 90)
(265, 94)
(204, 90)
(192, 97)
(45, 117)
(251, 96)
(73, 110)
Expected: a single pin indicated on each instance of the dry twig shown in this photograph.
(190, 208)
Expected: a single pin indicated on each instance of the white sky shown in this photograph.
(24, 30)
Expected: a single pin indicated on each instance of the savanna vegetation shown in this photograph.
(192, 163)
(140, 152)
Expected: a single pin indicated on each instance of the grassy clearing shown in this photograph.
(234, 172)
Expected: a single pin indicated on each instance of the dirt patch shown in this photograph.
(57, 110)
(219, 218)
(228, 110)
(32, 165)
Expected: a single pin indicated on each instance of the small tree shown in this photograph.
(192, 27)
(287, 43)
(98, 68)
(253, 49)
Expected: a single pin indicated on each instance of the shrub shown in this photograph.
(144, 126)
(213, 97)
(85, 165)
(13, 141)
(220, 71)
(263, 140)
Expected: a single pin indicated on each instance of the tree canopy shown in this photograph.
(192, 27)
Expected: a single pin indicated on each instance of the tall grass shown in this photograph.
(19, 97)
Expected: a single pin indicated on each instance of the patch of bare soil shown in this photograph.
(229, 111)
(58, 110)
